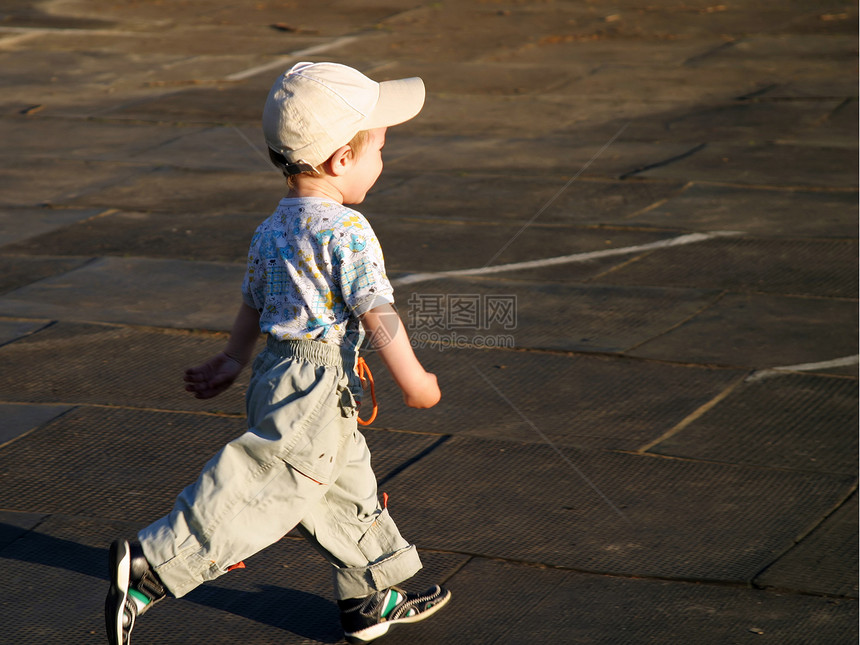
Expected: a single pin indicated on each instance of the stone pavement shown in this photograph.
(624, 236)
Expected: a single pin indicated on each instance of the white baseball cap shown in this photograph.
(315, 108)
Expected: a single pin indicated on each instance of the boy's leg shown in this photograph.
(354, 533)
(367, 552)
(248, 496)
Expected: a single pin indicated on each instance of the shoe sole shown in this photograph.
(120, 572)
(380, 629)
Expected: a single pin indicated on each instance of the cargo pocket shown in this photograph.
(348, 402)
(382, 538)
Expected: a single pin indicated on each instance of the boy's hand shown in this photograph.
(424, 393)
(213, 377)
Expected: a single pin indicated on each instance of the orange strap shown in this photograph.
(365, 376)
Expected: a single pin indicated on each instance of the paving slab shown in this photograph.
(568, 155)
(656, 87)
(36, 183)
(325, 17)
(837, 130)
(468, 77)
(823, 562)
(18, 271)
(767, 331)
(609, 126)
(88, 139)
(18, 420)
(785, 55)
(543, 115)
(12, 329)
(189, 190)
(771, 213)
(201, 105)
(799, 422)
(608, 512)
(550, 199)
(562, 316)
(114, 366)
(748, 164)
(283, 595)
(576, 401)
(234, 147)
(184, 235)
(821, 268)
(92, 461)
(136, 291)
(13, 525)
(749, 122)
(599, 51)
(418, 245)
(23, 223)
(538, 605)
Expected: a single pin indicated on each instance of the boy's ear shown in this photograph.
(341, 160)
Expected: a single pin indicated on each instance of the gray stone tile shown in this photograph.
(608, 512)
(749, 123)
(12, 330)
(761, 331)
(88, 139)
(749, 165)
(208, 237)
(284, 593)
(414, 245)
(114, 366)
(482, 78)
(13, 525)
(18, 420)
(562, 154)
(232, 147)
(825, 561)
(23, 223)
(771, 213)
(136, 291)
(564, 316)
(799, 422)
(18, 271)
(821, 268)
(497, 198)
(199, 105)
(189, 190)
(653, 87)
(34, 182)
(527, 397)
(837, 130)
(131, 464)
(541, 605)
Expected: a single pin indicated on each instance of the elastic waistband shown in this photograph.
(314, 352)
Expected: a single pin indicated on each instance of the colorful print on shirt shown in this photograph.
(314, 266)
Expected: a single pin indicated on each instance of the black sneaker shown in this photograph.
(364, 619)
(134, 588)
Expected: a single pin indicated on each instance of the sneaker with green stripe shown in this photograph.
(366, 619)
(134, 588)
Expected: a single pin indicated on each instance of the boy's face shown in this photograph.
(366, 168)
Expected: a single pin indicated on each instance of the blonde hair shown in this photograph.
(357, 143)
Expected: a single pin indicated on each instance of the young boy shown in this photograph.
(315, 284)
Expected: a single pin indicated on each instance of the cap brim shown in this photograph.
(399, 101)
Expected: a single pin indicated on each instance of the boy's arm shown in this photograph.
(388, 336)
(219, 372)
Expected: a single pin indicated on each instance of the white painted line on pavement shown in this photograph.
(845, 361)
(682, 240)
(281, 63)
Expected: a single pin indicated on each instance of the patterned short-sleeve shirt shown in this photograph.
(314, 266)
